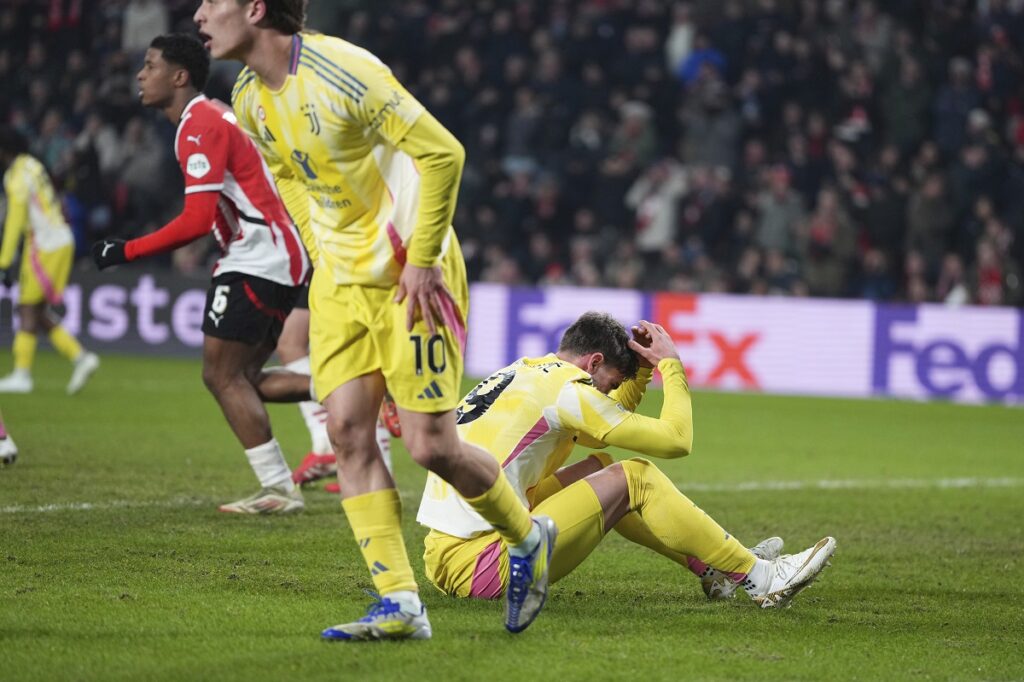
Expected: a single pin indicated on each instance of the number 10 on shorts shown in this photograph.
(433, 349)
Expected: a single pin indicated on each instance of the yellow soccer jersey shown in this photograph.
(336, 125)
(528, 416)
(32, 208)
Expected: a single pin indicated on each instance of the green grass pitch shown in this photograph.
(114, 564)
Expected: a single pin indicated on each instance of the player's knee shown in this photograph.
(217, 380)
(350, 438)
(429, 448)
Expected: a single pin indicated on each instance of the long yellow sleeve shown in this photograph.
(15, 223)
(631, 392)
(439, 158)
(296, 200)
(671, 434)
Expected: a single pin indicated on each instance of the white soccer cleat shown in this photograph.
(718, 585)
(528, 579)
(274, 500)
(8, 451)
(385, 619)
(85, 365)
(792, 573)
(16, 382)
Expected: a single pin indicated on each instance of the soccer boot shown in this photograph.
(385, 619)
(274, 500)
(718, 585)
(389, 416)
(8, 451)
(84, 367)
(528, 579)
(314, 467)
(16, 382)
(792, 573)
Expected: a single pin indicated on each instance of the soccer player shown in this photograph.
(8, 450)
(228, 191)
(33, 211)
(389, 297)
(532, 413)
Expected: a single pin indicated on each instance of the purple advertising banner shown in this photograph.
(770, 345)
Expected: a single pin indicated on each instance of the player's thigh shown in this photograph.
(44, 275)
(424, 369)
(577, 512)
(294, 341)
(341, 346)
(352, 409)
(477, 567)
(225, 360)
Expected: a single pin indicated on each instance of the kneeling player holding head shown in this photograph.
(229, 192)
(532, 413)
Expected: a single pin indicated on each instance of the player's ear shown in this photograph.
(595, 362)
(180, 78)
(257, 11)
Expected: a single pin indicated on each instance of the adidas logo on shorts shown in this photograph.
(431, 392)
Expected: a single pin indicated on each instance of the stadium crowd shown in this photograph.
(848, 148)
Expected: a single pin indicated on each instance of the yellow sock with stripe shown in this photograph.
(501, 508)
(680, 525)
(24, 350)
(64, 343)
(376, 520)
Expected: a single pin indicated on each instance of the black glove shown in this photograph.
(8, 278)
(108, 252)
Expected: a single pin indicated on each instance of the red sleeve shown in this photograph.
(195, 220)
(203, 151)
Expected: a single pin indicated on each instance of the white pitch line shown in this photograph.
(741, 487)
(857, 484)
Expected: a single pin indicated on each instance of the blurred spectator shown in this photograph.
(674, 145)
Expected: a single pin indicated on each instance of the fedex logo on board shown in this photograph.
(945, 354)
(712, 354)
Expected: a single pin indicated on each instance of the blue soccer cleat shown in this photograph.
(528, 579)
(385, 619)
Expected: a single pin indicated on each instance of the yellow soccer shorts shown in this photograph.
(478, 567)
(44, 274)
(355, 330)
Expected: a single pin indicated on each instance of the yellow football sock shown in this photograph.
(502, 509)
(64, 343)
(376, 520)
(24, 350)
(680, 525)
(632, 526)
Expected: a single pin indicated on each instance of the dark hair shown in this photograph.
(186, 51)
(600, 332)
(12, 142)
(286, 16)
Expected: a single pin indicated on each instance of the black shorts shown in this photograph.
(303, 300)
(248, 309)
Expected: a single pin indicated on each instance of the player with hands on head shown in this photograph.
(532, 414)
(228, 191)
(34, 212)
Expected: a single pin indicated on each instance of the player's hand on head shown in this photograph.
(643, 337)
(108, 252)
(424, 288)
(661, 345)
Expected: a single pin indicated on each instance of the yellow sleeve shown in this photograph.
(631, 392)
(387, 108)
(17, 218)
(671, 434)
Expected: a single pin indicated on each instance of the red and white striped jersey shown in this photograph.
(252, 226)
